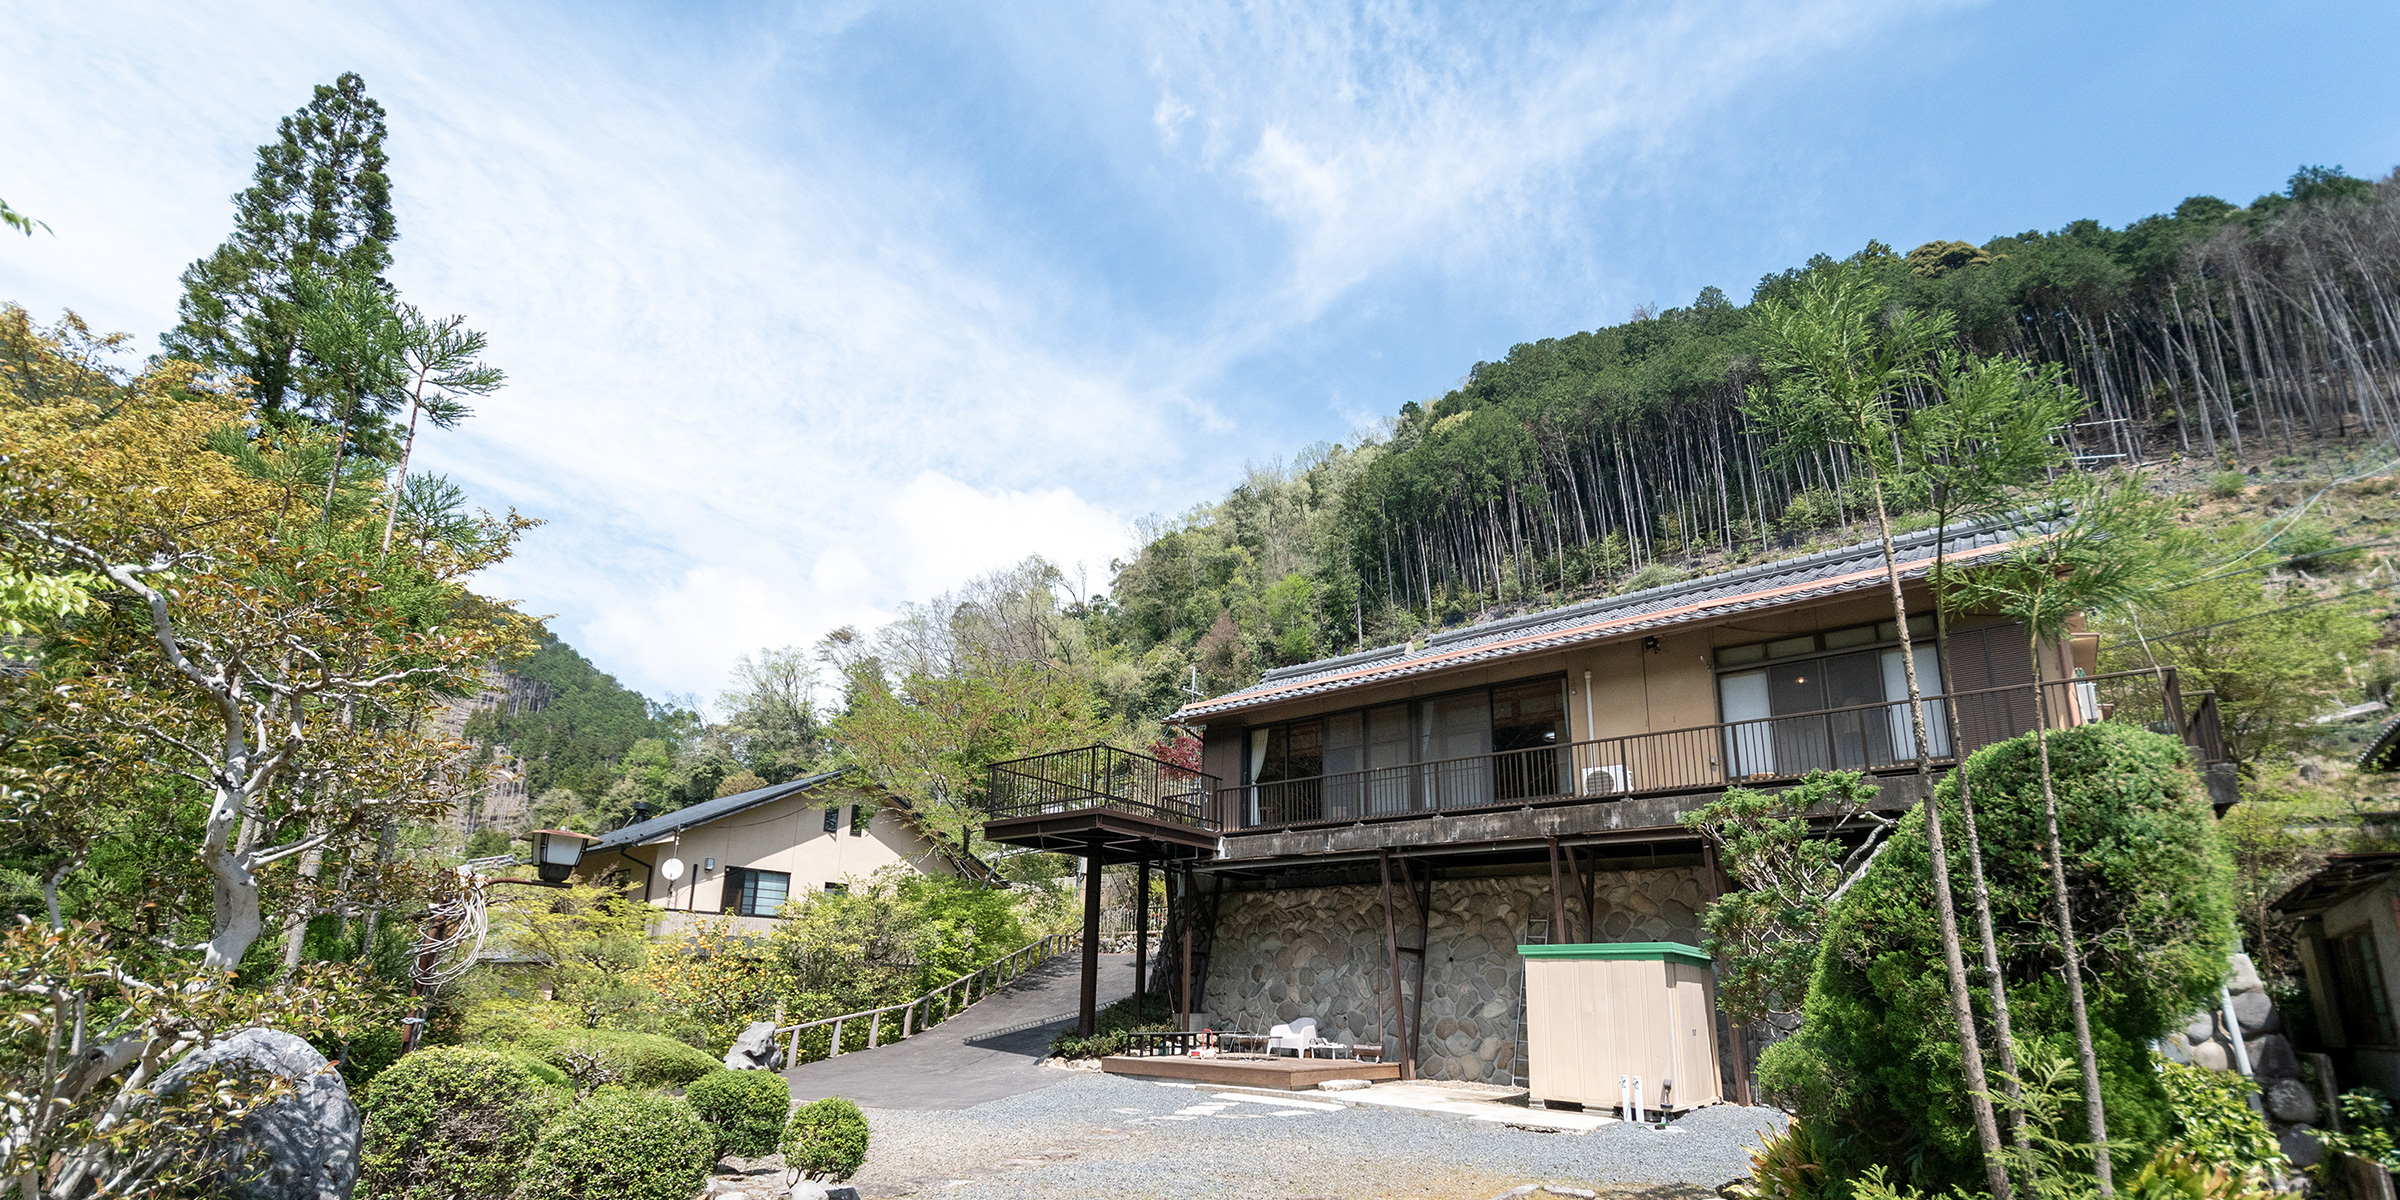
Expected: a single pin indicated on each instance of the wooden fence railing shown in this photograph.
(955, 997)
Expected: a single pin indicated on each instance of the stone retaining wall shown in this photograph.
(1318, 952)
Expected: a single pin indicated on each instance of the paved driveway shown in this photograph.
(988, 1052)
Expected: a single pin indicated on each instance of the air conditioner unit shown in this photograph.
(1603, 781)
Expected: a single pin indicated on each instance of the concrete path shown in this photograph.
(986, 1053)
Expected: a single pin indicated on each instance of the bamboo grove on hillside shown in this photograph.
(2215, 333)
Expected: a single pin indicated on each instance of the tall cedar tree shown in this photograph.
(1842, 368)
(318, 204)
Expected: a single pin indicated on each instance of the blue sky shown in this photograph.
(814, 310)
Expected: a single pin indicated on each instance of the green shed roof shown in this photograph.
(1638, 951)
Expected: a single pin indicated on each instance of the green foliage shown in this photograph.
(1787, 1166)
(636, 1060)
(2214, 1120)
(624, 1146)
(575, 739)
(890, 938)
(2153, 900)
(1765, 935)
(747, 1108)
(2225, 485)
(368, 1055)
(2175, 1173)
(449, 1123)
(2372, 1134)
(826, 1139)
(1654, 575)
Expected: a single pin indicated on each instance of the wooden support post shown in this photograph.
(1141, 934)
(1416, 1017)
(1391, 950)
(793, 1059)
(1086, 1014)
(907, 1016)
(837, 1038)
(1183, 999)
(1583, 886)
(1558, 900)
(875, 1030)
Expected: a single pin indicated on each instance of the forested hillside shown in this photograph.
(2213, 335)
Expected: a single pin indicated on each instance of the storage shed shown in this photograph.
(1596, 1013)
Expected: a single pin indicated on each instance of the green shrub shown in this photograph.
(449, 1123)
(622, 1146)
(2214, 1120)
(1657, 574)
(362, 1058)
(637, 1060)
(826, 1139)
(2225, 485)
(1113, 1027)
(1875, 1067)
(746, 1107)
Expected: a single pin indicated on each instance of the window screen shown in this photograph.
(833, 817)
(860, 817)
(756, 893)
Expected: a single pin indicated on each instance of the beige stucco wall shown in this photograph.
(787, 835)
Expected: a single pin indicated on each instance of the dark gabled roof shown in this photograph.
(726, 806)
(708, 810)
(2342, 876)
(1799, 580)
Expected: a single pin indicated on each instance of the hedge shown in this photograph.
(622, 1145)
(1875, 1064)
(449, 1123)
(638, 1060)
(826, 1139)
(747, 1108)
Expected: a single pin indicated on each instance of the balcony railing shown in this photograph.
(1867, 737)
(1102, 777)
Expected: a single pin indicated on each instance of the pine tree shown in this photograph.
(318, 204)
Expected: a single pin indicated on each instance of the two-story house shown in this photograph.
(1396, 823)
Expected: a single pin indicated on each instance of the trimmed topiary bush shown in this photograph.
(747, 1108)
(638, 1060)
(449, 1123)
(621, 1145)
(1875, 1067)
(826, 1139)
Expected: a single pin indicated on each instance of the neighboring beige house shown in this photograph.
(746, 855)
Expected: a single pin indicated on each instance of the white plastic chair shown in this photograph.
(1278, 1038)
(1298, 1037)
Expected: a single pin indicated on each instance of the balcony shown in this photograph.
(1103, 803)
(1874, 738)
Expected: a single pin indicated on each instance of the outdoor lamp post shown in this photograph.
(556, 851)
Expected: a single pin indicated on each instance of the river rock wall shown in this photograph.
(2294, 1109)
(1319, 952)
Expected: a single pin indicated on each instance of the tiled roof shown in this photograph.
(1709, 598)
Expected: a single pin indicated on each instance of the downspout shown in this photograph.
(1590, 730)
(648, 871)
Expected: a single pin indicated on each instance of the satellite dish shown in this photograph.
(672, 869)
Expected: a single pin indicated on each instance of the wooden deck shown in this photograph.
(1288, 1074)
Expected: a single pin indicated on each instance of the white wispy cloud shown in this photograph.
(771, 375)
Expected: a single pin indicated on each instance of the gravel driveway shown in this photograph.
(1105, 1136)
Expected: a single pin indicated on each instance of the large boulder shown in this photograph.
(2289, 1100)
(2210, 1055)
(2271, 1057)
(304, 1146)
(754, 1050)
(2256, 1013)
(2300, 1144)
(2244, 974)
(2198, 1028)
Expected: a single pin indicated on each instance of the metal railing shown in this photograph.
(1101, 777)
(954, 997)
(1866, 737)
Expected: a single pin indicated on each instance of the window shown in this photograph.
(1846, 679)
(1458, 750)
(756, 893)
(838, 889)
(833, 817)
(860, 817)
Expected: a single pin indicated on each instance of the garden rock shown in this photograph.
(2245, 974)
(2289, 1100)
(754, 1050)
(2301, 1146)
(2210, 1055)
(810, 1189)
(2198, 1028)
(2256, 1013)
(2176, 1049)
(304, 1146)
(2271, 1057)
